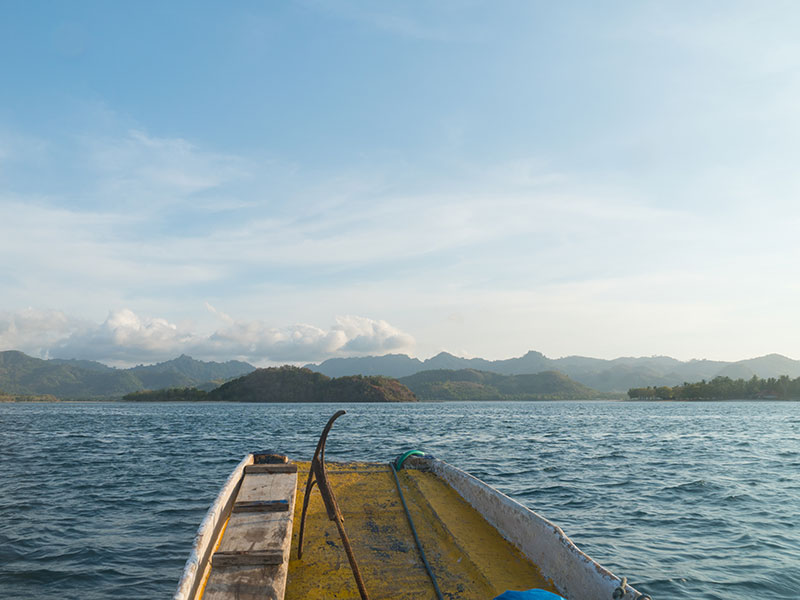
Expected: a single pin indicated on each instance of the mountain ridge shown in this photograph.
(474, 385)
(616, 375)
(21, 374)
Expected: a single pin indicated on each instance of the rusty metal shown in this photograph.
(318, 475)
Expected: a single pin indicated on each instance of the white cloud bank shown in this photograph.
(126, 338)
(35, 331)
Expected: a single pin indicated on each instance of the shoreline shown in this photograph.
(6, 400)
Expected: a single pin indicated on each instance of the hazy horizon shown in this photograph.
(291, 182)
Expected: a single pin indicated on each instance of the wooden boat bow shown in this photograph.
(479, 541)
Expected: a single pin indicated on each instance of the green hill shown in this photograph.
(186, 371)
(24, 375)
(469, 384)
(293, 384)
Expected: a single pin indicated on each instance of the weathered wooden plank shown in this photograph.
(248, 583)
(277, 468)
(262, 506)
(256, 532)
(240, 559)
(252, 559)
(267, 486)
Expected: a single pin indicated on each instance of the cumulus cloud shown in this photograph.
(370, 336)
(301, 342)
(126, 338)
(35, 331)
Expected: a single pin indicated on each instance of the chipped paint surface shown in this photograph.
(575, 575)
(468, 556)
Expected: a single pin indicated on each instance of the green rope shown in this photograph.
(411, 523)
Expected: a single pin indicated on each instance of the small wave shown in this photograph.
(698, 485)
(739, 498)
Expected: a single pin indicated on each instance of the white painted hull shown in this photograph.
(574, 574)
(195, 570)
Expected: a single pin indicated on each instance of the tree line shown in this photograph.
(723, 388)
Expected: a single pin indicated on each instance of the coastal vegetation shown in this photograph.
(26, 398)
(724, 388)
(186, 394)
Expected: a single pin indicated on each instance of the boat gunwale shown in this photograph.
(463, 483)
(209, 532)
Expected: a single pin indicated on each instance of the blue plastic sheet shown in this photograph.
(528, 595)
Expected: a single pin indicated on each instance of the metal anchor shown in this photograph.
(318, 475)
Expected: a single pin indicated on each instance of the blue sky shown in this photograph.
(288, 182)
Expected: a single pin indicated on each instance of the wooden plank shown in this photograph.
(248, 583)
(287, 468)
(231, 559)
(252, 559)
(262, 506)
(256, 532)
(257, 487)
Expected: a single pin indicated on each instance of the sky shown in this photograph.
(286, 182)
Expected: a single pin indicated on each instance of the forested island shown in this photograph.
(289, 384)
(724, 388)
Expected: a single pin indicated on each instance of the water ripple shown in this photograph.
(695, 500)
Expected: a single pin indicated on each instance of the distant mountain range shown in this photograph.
(472, 385)
(617, 375)
(21, 374)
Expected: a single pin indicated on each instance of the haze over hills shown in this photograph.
(617, 375)
(472, 385)
(23, 374)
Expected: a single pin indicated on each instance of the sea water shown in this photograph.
(687, 500)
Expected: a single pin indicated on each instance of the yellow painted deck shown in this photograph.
(468, 556)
